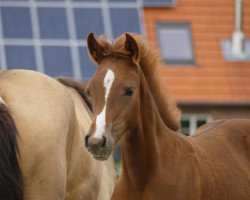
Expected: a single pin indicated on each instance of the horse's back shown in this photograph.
(233, 131)
(222, 149)
(40, 105)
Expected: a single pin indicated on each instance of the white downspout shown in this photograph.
(238, 35)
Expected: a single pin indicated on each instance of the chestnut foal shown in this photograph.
(157, 161)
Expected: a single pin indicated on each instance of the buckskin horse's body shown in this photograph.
(51, 120)
(158, 162)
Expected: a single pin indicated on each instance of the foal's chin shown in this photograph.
(102, 155)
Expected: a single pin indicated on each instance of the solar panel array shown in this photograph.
(50, 35)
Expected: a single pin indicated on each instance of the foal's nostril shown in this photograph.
(103, 141)
(87, 141)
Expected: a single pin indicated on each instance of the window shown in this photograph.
(190, 122)
(175, 42)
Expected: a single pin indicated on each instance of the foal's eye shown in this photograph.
(129, 92)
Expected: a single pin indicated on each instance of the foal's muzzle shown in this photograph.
(97, 147)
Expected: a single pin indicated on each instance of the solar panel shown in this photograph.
(91, 67)
(57, 60)
(20, 57)
(124, 20)
(53, 23)
(16, 22)
(50, 35)
(9, 0)
(83, 23)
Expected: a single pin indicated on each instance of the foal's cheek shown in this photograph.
(132, 115)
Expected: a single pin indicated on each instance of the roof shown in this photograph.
(212, 79)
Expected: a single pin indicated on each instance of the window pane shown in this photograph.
(53, 23)
(200, 122)
(185, 123)
(185, 127)
(124, 20)
(88, 68)
(175, 43)
(16, 22)
(185, 131)
(57, 61)
(88, 20)
(20, 57)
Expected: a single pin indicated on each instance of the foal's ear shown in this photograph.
(96, 50)
(132, 47)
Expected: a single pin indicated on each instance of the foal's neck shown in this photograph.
(141, 146)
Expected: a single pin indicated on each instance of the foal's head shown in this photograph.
(114, 94)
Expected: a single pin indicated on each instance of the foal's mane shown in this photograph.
(150, 61)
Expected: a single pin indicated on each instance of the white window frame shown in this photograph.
(193, 118)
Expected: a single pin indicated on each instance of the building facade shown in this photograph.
(195, 39)
(208, 81)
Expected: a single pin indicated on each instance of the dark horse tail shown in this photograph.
(11, 183)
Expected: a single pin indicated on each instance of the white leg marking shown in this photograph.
(2, 101)
(101, 117)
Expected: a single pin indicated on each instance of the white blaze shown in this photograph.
(2, 101)
(101, 117)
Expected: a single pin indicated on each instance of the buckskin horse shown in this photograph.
(42, 128)
(157, 161)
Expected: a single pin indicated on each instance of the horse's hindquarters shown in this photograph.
(42, 111)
